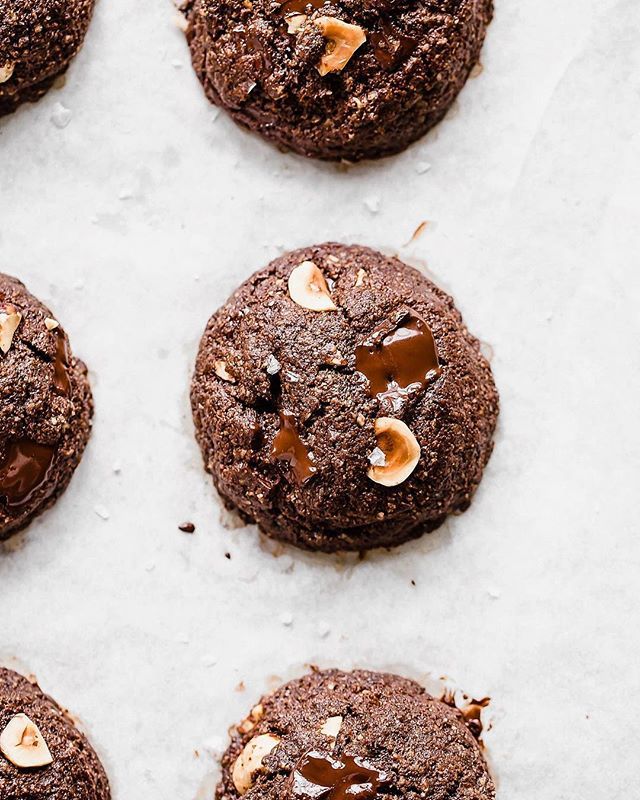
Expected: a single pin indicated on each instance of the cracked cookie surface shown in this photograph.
(339, 735)
(74, 772)
(291, 405)
(343, 79)
(46, 406)
(38, 39)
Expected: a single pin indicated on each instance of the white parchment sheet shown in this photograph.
(133, 208)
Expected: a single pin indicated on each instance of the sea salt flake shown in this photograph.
(61, 116)
(377, 458)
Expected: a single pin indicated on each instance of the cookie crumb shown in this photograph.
(187, 527)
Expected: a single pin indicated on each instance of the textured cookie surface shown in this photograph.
(38, 39)
(46, 406)
(75, 773)
(357, 735)
(263, 60)
(287, 401)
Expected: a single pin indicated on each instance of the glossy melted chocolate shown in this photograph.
(390, 47)
(398, 358)
(290, 7)
(61, 381)
(26, 463)
(288, 446)
(24, 469)
(318, 776)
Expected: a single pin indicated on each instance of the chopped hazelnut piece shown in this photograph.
(250, 760)
(308, 288)
(9, 321)
(22, 744)
(248, 724)
(343, 41)
(396, 455)
(360, 277)
(51, 324)
(221, 371)
(331, 727)
(295, 22)
(6, 71)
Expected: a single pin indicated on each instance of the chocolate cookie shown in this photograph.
(42, 754)
(336, 79)
(45, 407)
(340, 402)
(38, 39)
(351, 736)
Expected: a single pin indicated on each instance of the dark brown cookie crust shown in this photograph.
(31, 406)
(389, 721)
(38, 38)
(339, 508)
(76, 772)
(267, 80)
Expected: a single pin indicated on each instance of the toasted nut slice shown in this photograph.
(221, 371)
(360, 278)
(6, 71)
(9, 321)
(22, 743)
(343, 41)
(331, 727)
(51, 324)
(308, 288)
(295, 22)
(248, 724)
(401, 451)
(250, 760)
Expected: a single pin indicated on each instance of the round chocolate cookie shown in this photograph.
(45, 407)
(340, 402)
(336, 79)
(354, 736)
(38, 39)
(42, 754)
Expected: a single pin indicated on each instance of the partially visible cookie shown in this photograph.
(38, 39)
(43, 755)
(45, 407)
(341, 403)
(336, 79)
(336, 735)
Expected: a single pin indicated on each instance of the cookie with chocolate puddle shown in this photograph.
(45, 407)
(334, 735)
(341, 403)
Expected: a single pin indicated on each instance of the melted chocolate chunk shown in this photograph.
(288, 446)
(61, 380)
(399, 359)
(24, 469)
(318, 776)
(290, 7)
(390, 47)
